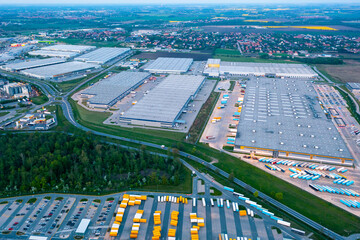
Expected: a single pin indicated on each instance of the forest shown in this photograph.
(58, 162)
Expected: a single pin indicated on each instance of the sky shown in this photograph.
(67, 2)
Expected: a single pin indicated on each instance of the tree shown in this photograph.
(279, 196)
(231, 177)
(256, 194)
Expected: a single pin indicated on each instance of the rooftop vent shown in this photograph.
(316, 147)
(281, 143)
(341, 150)
(312, 136)
(253, 141)
(304, 146)
(309, 126)
(301, 135)
(279, 123)
(280, 132)
(253, 130)
(334, 138)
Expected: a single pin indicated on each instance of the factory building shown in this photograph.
(283, 118)
(69, 48)
(60, 54)
(17, 90)
(353, 87)
(14, 67)
(60, 70)
(103, 55)
(169, 65)
(216, 67)
(107, 92)
(164, 104)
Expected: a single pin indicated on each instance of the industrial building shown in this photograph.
(59, 70)
(170, 65)
(13, 67)
(163, 105)
(60, 54)
(69, 48)
(283, 118)
(216, 67)
(83, 226)
(17, 90)
(107, 92)
(353, 87)
(103, 55)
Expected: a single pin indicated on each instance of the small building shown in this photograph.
(353, 87)
(83, 226)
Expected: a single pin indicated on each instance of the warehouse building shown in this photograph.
(107, 92)
(13, 67)
(170, 65)
(59, 70)
(68, 48)
(283, 118)
(353, 87)
(216, 67)
(103, 55)
(60, 54)
(163, 105)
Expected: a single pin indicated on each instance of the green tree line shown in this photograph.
(34, 163)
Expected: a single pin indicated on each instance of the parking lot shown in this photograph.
(57, 217)
(337, 108)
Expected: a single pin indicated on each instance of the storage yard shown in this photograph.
(107, 92)
(283, 118)
(216, 67)
(13, 67)
(163, 105)
(169, 65)
(58, 71)
(103, 55)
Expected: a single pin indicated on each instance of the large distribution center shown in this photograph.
(103, 55)
(163, 105)
(68, 48)
(258, 69)
(110, 90)
(170, 65)
(283, 117)
(59, 70)
(62, 54)
(31, 64)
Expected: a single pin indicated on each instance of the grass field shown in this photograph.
(41, 99)
(232, 55)
(3, 114)
(68, 85)
(348, 72)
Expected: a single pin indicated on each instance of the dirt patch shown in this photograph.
(348, 72)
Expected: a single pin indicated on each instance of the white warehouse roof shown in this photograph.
(102, 55)
(83, 226)
(51, 71)
(170, 65)
(261, 69)
(108, 90)
(53, 53)
(68, 48)
(31, 64)
(165, 102)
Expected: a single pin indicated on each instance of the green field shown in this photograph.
(69, 85)
(41, 99)
(3, 114)
(233, 55)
